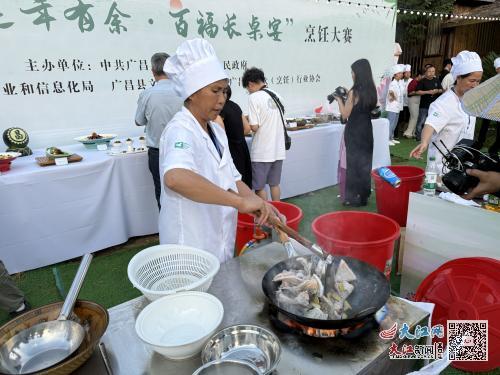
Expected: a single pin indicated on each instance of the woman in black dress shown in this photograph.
(234, 124)
(357, 144)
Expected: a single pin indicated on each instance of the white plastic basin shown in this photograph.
(177, 326)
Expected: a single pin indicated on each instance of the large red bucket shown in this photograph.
(362, 235)
(245, 226)
(393, 202)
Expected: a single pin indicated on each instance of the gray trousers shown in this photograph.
(422, 116)
(393, 122)
(11, 297)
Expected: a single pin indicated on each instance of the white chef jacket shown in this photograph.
(451, 124)
(396, 105)
(447, 82)
(184, 144)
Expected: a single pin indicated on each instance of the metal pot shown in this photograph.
(93, 317)
(48, 343)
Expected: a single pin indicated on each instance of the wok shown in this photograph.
(371, 291)
(45, 344)
(93, 317)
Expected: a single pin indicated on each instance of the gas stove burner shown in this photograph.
(288, 325)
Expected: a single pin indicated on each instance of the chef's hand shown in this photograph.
(418, 151)
(257, 207)
(489, 182)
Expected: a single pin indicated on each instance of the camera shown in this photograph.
(461, 157)
(340, 92)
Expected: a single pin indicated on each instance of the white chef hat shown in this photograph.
(496, 63)
(464, 63)
(194, 66)
(407, 68)
(398, 68)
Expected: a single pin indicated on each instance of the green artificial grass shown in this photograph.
(107, 283)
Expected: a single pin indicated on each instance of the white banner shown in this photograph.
(71, 67)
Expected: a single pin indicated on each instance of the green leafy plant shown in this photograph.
(413, 27)
(488, 68)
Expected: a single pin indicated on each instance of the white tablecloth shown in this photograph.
(52, 214)
(438, 231)
(312, 161)
(56, 213)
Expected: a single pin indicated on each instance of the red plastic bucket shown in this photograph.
(245, 226)
(362, 235)
(393, 202)
(466, 289)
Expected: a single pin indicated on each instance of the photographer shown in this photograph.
(489, 182)
(356, 148)
(447, 120)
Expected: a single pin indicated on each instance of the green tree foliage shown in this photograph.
(489, 69)
(412, 27)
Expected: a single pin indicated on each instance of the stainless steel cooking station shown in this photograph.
(238, 286)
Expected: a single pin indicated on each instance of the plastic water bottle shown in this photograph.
(431, 173)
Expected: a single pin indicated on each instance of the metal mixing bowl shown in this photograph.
(249, 343)
(227, 367)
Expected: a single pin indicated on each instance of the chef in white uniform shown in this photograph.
(202, 190)
(447, 121)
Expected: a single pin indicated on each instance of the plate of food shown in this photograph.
(6, 158)
(54, 153)
(91, 141)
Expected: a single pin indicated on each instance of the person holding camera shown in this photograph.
(489, 183)
(356, 149)
(447, 121)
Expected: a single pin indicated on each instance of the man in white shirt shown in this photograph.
(268, 144)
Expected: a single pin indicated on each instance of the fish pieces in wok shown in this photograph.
(302, 291)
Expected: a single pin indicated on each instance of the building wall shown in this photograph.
(481, 38)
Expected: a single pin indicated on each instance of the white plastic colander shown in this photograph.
(166, 269)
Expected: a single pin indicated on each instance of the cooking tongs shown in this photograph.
(315, 248)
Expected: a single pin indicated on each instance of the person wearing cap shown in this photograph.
(155, 108)
(429, 89)
(404, 116)
(447, 120)
(202, 190)
(481, 138)
(394, 101)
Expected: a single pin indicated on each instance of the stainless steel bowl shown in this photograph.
(248, 343)
(227, 367)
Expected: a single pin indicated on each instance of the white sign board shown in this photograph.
(73, 67)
